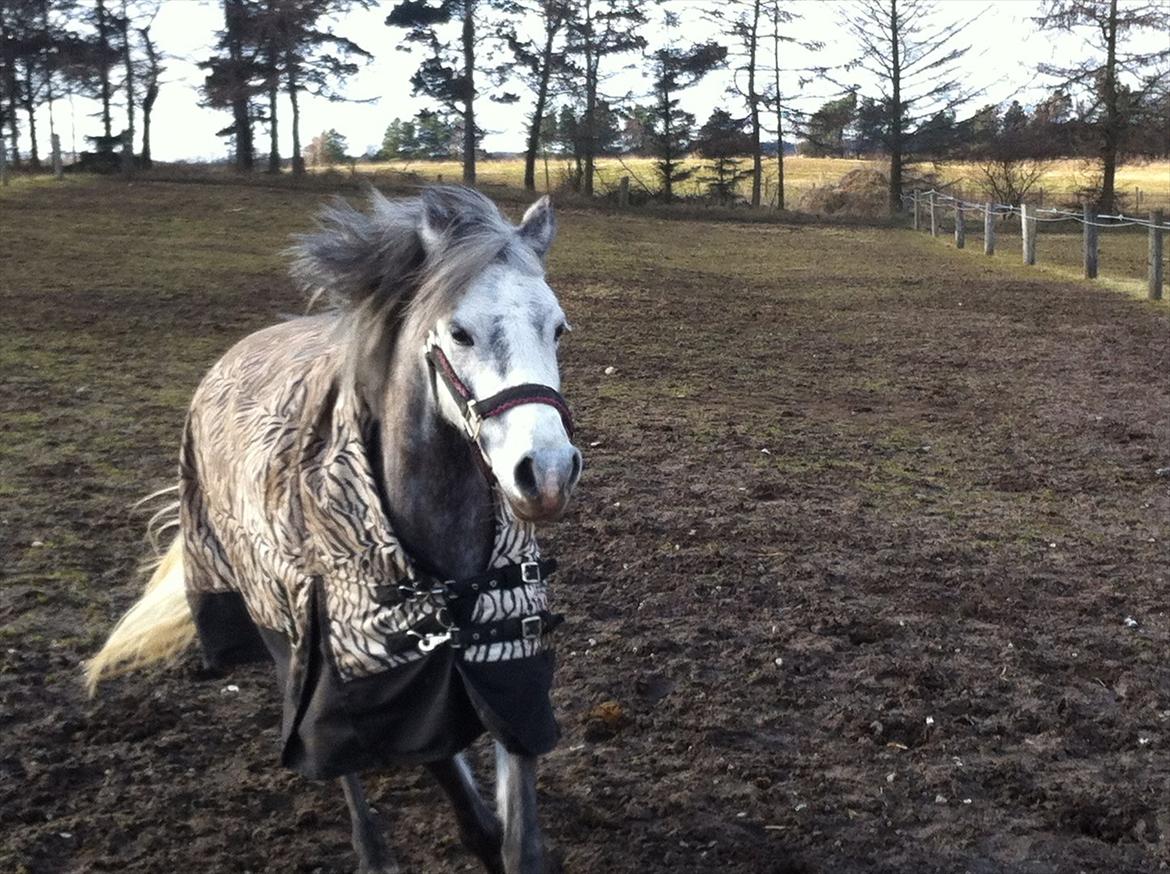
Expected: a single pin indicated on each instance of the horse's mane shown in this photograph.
(401, 257)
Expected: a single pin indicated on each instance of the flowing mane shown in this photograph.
(406, 256)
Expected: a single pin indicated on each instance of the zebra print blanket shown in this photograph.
(288, 550)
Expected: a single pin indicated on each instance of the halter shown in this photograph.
(474, 411)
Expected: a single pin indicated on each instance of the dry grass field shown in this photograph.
(870, 552)
(1060, 183)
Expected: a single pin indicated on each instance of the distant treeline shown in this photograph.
(559, 58)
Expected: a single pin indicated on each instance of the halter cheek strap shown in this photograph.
(474, 410)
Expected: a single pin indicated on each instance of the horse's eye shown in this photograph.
(558, 332)
(461, 337)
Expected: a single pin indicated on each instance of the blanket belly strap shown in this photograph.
(505, 630)
(496, 580)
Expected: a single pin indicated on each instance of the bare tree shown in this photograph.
(914, 57)
(1121, 84)
(779, 18)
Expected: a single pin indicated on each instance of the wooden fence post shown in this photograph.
(1090, 242)
(914, 201)
(988, 229)
(58, 164)
(1156, 265)
(3, 165)
(960, 227)
(933, 215)
(624, 192)
(1028, 233)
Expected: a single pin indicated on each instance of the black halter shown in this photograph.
(474, 411)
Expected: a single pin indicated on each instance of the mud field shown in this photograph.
(870, 551)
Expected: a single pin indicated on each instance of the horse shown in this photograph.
(358, 492)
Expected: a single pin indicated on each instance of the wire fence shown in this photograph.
(938, 204)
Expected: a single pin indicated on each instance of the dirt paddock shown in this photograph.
(871, 551)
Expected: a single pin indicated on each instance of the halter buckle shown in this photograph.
(472, 421)
(530, 628)
(530, 572)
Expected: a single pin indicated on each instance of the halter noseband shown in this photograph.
(474, 410)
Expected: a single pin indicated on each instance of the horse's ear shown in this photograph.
(449, 212)
(439, 214)
(539, 226)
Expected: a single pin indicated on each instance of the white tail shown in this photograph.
(157, 628)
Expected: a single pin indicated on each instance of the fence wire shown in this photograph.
(1059, 215)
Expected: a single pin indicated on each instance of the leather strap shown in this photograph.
(475, 411)
(499, 579)
(525, 628)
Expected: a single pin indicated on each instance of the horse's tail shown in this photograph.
(157, 628)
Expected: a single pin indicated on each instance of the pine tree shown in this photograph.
(446, 76)
(675, 70)
(914, 57)
(536, 61)
(597, 32)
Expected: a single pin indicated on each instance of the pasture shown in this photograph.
(1059, 184)
(870, 552)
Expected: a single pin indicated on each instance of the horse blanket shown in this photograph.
(289, 553)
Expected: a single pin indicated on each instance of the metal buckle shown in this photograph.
(530, 572)
(530, 627)
(472, 421)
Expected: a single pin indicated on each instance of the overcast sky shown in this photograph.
(1005, 52)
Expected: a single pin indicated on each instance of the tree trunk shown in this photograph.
(538, 112)
(54, 144)
(590, 103)
(34, 157)
(298, 160)
(273, 133)
(895, 139)
(104, 71)
(150, 96)
(754, 106)
(128, 61)
(272, 48)
(1113, 121)
(8, 71)
(241, 111)
(779, 113)
(147, 107)
(667, 150)
(469, 137)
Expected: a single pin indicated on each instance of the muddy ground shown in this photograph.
(871, 551)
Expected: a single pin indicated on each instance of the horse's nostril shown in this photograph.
(526, 477)
(576, 471)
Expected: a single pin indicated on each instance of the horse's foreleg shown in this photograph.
(478, 826)
(374, 857)
(523, 848)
